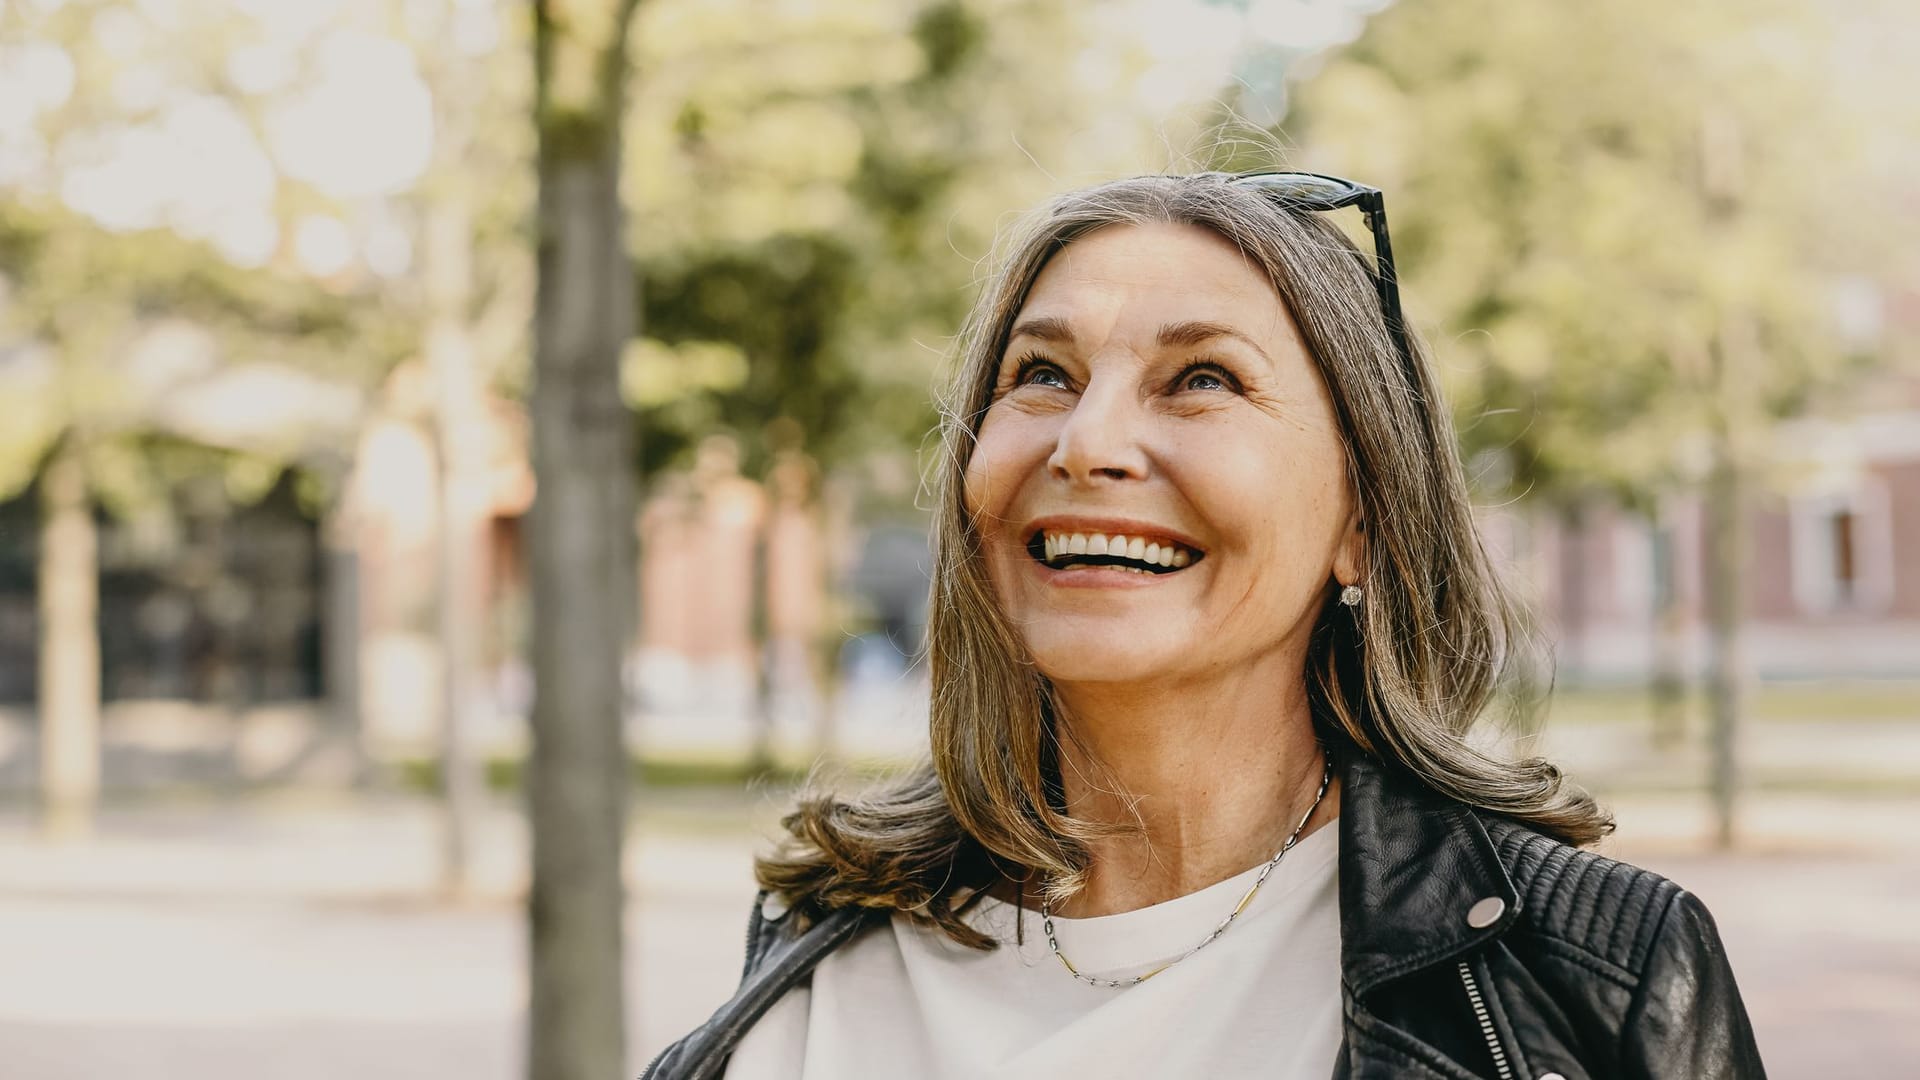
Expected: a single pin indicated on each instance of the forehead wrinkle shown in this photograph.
(1103, 287)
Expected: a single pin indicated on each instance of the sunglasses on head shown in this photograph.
(1313, 191)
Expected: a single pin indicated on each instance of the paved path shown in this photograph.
(296, 942)
(294, 939)
(1827, 951)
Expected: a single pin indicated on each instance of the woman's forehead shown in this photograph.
(1139, 280)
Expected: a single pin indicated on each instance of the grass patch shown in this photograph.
(664, 773)
(1809, 702)
(1825, 785)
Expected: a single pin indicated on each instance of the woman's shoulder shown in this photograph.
(782, 949)
(1589, 909)
(1620, 916)
(1587, 922)
(778, 936)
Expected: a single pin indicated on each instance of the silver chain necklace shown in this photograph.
(1053, 943)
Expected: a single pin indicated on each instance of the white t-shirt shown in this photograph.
(1262, 1000)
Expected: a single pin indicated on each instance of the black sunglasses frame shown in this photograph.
(1373, 205)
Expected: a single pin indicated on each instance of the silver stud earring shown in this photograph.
(1350, 596)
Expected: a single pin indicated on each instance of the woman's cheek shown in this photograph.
(977, 479)
(993, 473)
(985, 499)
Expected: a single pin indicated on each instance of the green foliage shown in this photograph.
(84, 299)
(86, 302)
(816, 187)
(810, 191)
(948, 35)
(780, 303)
(1585, 197)
(78, 298)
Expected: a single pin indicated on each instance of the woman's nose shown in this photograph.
(1100, 438)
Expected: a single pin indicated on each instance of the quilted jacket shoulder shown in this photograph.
(1609, 970)
(1609, 909)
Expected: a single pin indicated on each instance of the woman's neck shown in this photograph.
(1207, 781)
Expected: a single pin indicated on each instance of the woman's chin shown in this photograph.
(1107, 662)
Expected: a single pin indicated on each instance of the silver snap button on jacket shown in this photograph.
(1485, 913)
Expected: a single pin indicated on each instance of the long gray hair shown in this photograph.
(1402, 678)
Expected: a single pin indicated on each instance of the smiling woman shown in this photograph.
(1208, 583)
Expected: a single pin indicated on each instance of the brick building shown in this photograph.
(1833, 582)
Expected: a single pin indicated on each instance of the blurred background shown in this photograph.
(268, 272)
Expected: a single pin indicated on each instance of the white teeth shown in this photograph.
(1137, 548)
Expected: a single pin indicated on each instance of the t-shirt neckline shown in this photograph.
(1131, 940)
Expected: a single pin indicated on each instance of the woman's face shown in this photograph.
(1156, 389)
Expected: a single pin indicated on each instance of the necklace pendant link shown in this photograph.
(1053, 942)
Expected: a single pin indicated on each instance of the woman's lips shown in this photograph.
(1083, 575)
(1097, 577)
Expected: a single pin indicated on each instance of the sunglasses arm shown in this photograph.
(1386, 277)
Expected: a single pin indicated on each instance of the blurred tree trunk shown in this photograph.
(340, 625)
(1726, 680)
(1528, 675)
(69, 692)
(839, 500)
(1669, 689)
(460, 427)
(1735, 362)
(581, 545)
(1726, 584)
(447, 271)
(1575, 572)
(766, 674)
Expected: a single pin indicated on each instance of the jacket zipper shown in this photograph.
(1486, 1022)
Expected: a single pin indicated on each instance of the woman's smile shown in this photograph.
(1107, 553)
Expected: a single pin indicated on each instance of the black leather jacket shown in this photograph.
(1471, 947)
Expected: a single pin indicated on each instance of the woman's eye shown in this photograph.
(1205, 377)
(1038, 374)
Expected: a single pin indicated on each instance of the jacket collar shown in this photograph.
(1412, 864)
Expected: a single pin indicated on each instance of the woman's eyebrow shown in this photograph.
(1178, 334)
(1045, 327)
